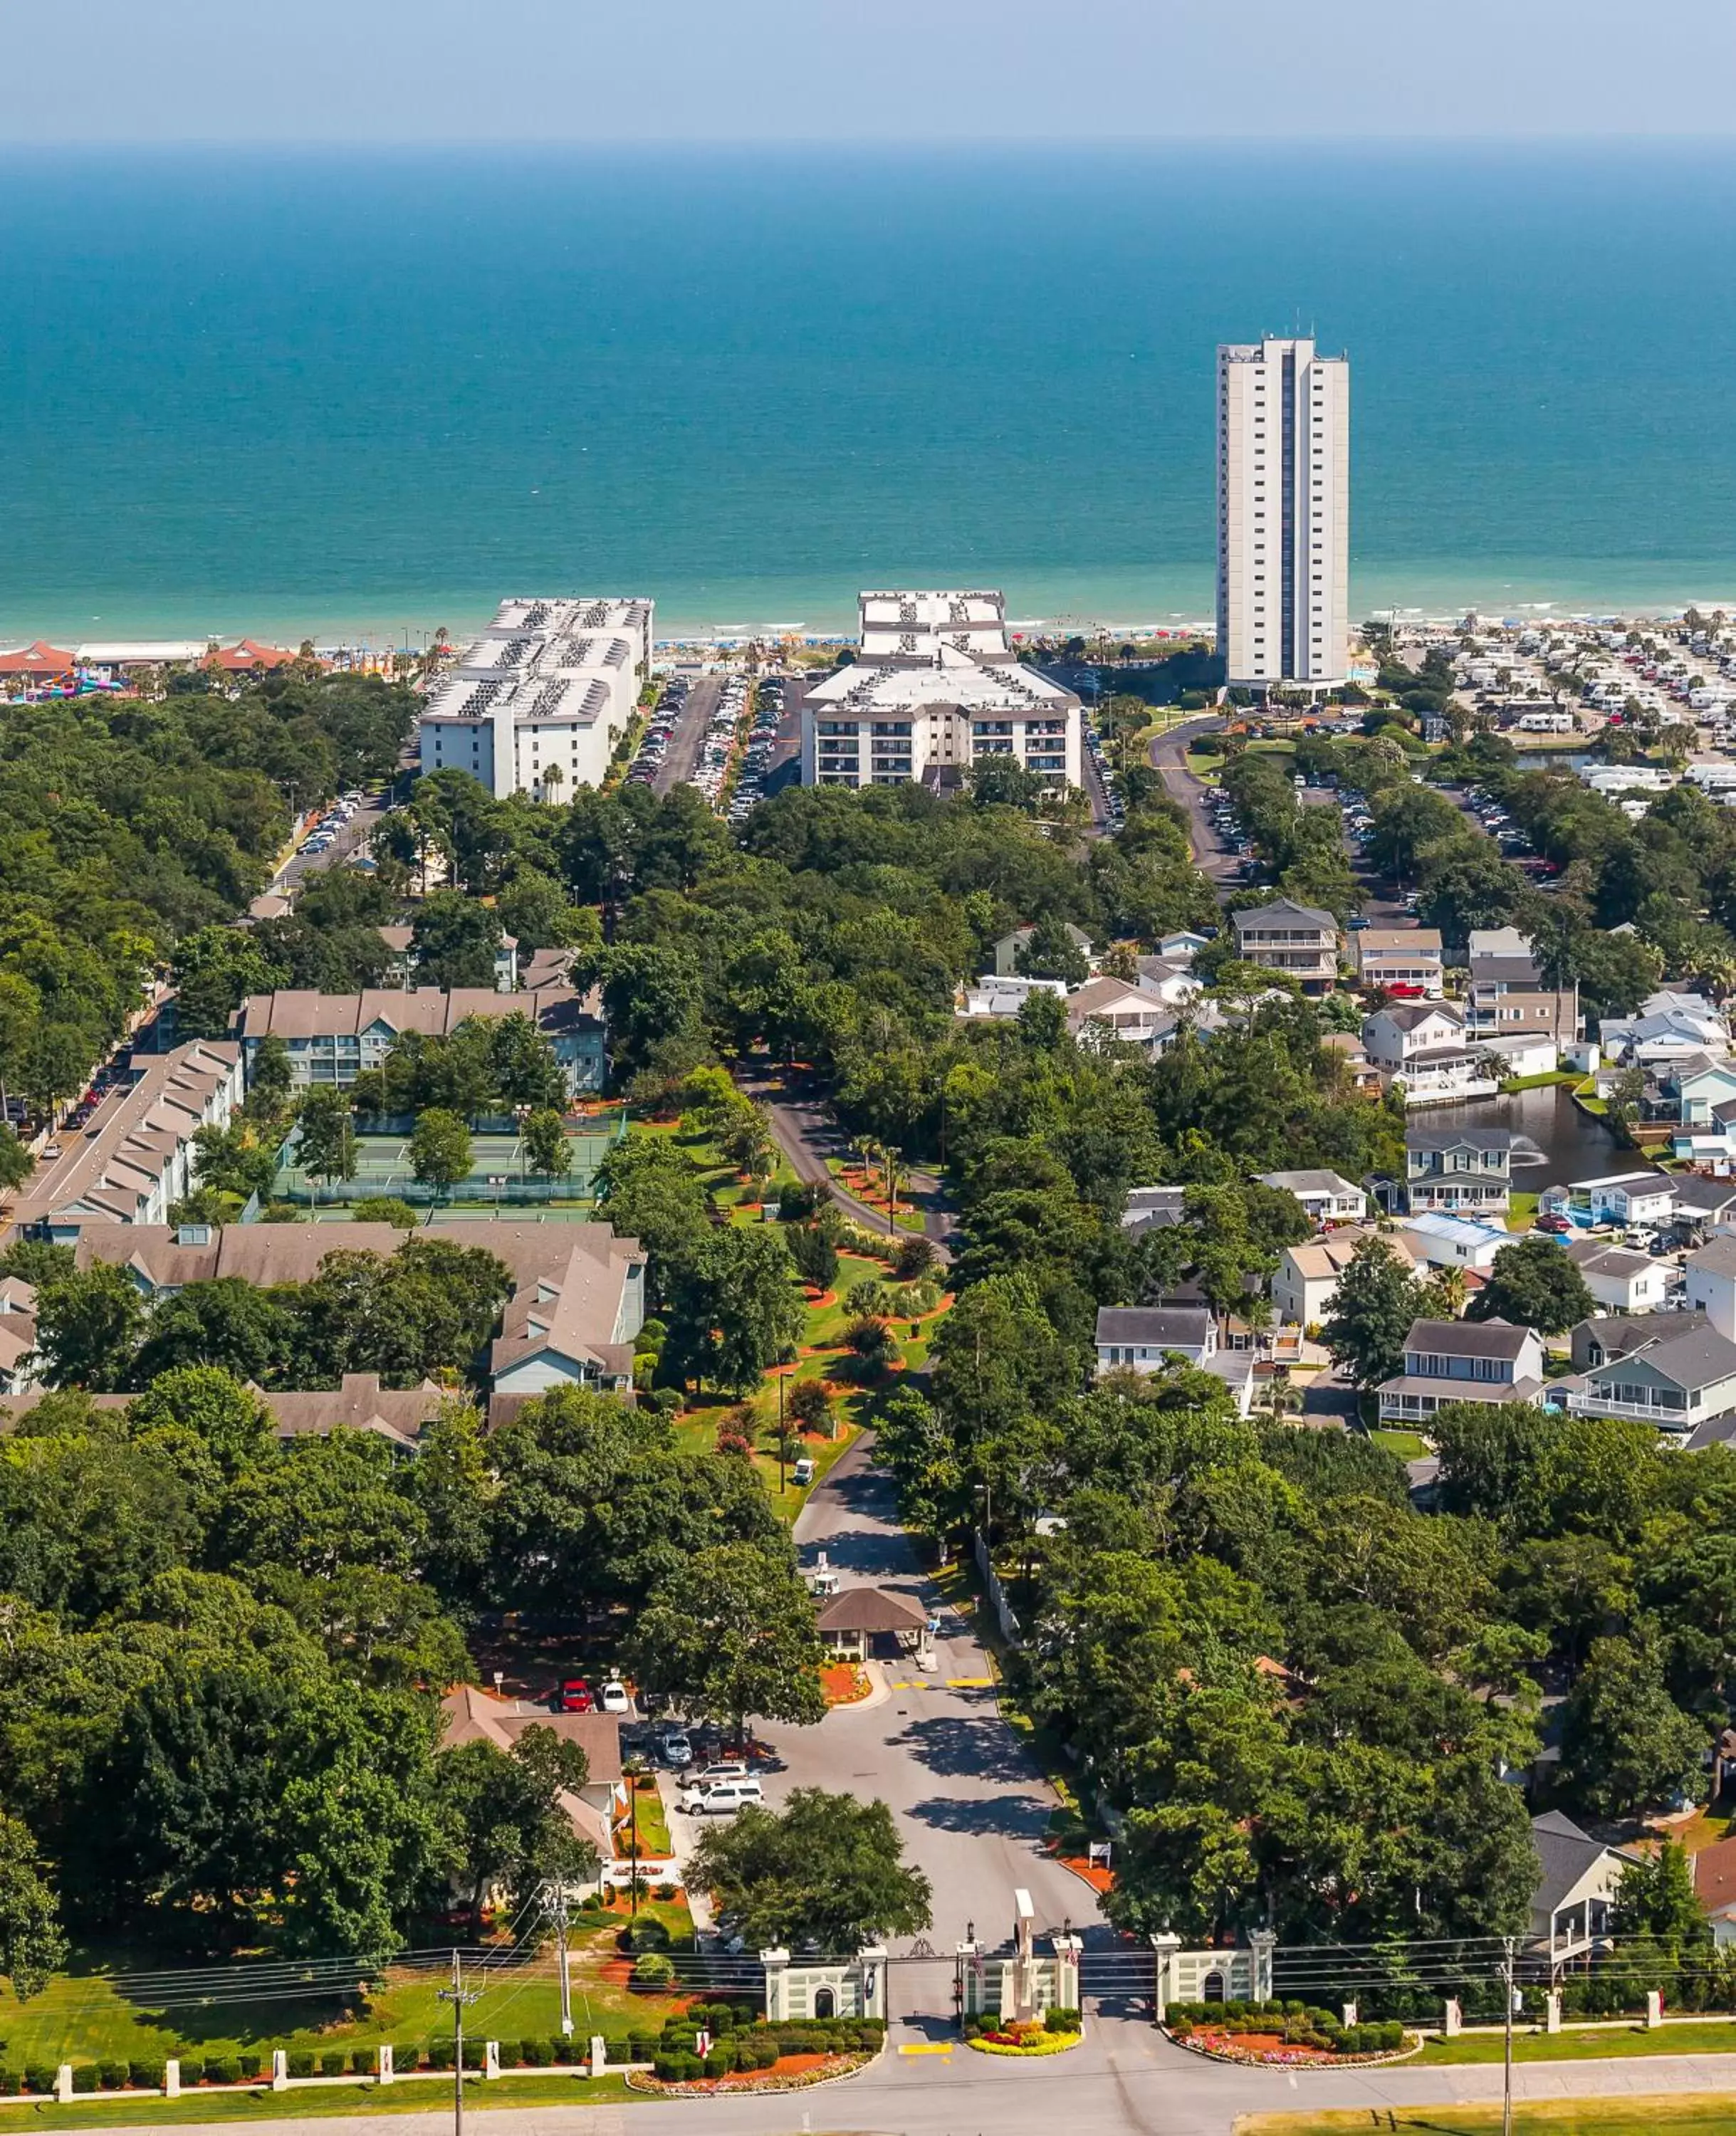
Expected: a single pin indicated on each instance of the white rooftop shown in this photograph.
(948, 678)
(910, 624)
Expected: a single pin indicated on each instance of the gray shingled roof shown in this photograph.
(1159, 1327)
(1467, 1338)
(1565, 1854)
(1458, 1137)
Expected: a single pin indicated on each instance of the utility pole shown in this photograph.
(458, 1995)
(555, 1898)
(1507, 2071)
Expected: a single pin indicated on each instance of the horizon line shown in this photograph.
(877, 143)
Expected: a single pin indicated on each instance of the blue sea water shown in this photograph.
(340, 394)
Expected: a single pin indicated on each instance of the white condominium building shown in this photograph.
(1283, 514)
(935, 687)
(537, 704)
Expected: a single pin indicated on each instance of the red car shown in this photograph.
(574, 1697)
(1556, 1226)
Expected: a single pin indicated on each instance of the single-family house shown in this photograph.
(1305, 1283)
(1676, 1031)
(1181, 945)
(1714, 1886)
(1572, 1902)
(1326, 1196)
(1709, 1278)
(1147, 1338)
(1010, 948)
(1705, 1208)
(1610, 1335)
(1620, 1281)
(1154, 1208)
(1502, 955)
(1437, 1238)
(1005, 994)
(1457, 1361)
(1630, 1200)
(1361, 1074)
(472, 1714)
(1517, 1055)
(1284, 936)
(1466, 1169)
(1496, 1005)
(1682, 1380)
(1402, 959)
(1169, 983)
(1394, 1035)
(1105, 1009)
(1421, 1050)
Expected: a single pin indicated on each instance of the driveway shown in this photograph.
(970, 1803)
(807, 1134)
(1168, 755)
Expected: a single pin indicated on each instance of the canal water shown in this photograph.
(1555, 1142)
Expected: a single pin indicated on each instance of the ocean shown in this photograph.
(363, 396)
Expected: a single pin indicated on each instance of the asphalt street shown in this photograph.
(972, 1805)
(1124, 2081)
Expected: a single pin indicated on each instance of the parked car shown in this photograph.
(722, 1798)
(720, 1768)
(574, 1697)
(1556, 1226)
(614, 1697)
(675, 1748)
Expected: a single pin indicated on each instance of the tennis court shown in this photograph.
(500, 1169)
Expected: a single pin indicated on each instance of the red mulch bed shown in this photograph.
(1099, 1878)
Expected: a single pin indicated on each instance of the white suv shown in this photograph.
(723, 1798)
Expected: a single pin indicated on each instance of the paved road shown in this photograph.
(1124, 2081)
(807, 1134)
(682, 757)
(972, 1805)
(360, 827)
(1169, 754)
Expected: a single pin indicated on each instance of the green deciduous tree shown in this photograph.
(730, 1636)
(31, 1946)
(827, 1870)
(734, 1310)
(1534, 1284)
(87, 1326)
(440, 1150)
(1626, 1746)
(1372, 1310)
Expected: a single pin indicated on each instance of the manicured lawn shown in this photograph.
(1407, 1445)
(1685, 2113)
(1568, 1077)
(1592, 2044)
(86, 2017)
(649, 1820)
(120, 2111)
(1521, 1211)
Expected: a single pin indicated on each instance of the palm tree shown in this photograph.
(553, 778)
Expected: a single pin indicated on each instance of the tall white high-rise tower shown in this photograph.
(1283, 513)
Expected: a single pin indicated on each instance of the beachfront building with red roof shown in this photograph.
(38, 662)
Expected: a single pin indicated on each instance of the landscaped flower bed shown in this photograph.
(1283, 2035)
(749, 2053)
(1028, 2038)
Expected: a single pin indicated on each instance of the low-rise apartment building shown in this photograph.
(1284, 936)
(332, 1038)
(936, 687)
(136, 1160)
(1460, 1361)
(537, 704)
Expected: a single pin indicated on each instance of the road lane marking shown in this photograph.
(969, 1683)
(927, 2047)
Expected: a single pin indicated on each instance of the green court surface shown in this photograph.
(500, 1171)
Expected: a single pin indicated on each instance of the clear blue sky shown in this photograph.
(862, 71)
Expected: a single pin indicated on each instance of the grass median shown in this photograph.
(1594, 2043)
(149, 2110)
(1683, 2114)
